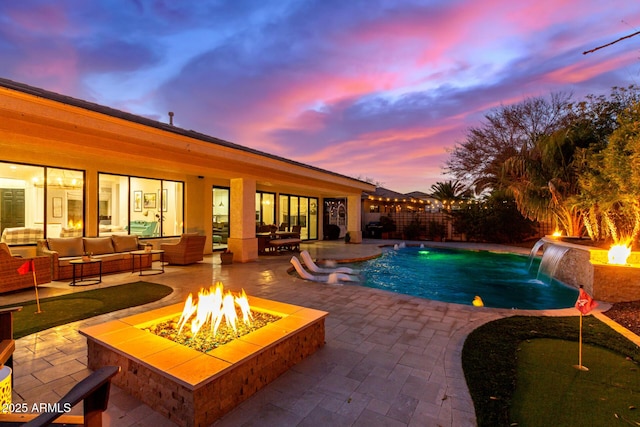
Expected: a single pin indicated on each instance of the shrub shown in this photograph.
(388, 224)
(413, 230)
(436, 230)
(497, 220)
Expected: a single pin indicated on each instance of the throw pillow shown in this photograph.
(66, 246)
(125, 243)
(98, 245)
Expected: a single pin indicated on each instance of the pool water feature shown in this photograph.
(502, 280)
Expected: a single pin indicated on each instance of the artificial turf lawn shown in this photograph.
(490, 362)
(551, 392)
(69, 308)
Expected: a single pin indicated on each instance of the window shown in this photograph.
(39, 201)
(171, 200)
(113, 204)
(265, 208)
(65, 203)
(145, 207)
(220, 217)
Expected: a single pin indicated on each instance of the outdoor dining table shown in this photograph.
(286, 235)
(265, 238)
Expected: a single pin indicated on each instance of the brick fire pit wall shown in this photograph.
(192, 388)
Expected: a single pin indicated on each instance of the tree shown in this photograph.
(508, 131)
(495, 220)
(595, 122)
(450, 190)
(544, 180)
(562, 161)
(611, 183)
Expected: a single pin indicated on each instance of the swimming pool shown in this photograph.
(502, 280)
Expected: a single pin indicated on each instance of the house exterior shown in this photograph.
(70, 167)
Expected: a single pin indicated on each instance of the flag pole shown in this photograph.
(35, 285)
(579, 365)
(584, 304)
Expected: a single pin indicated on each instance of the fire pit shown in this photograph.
(200, 325)
(191, 387)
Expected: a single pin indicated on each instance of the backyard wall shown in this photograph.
(403, 219)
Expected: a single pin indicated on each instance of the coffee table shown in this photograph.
(150, 270)
(81, 263)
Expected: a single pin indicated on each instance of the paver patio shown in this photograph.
(389, 359)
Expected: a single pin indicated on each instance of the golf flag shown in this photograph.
(26, 267)
(585, 303)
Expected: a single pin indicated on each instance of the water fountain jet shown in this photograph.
(577, 265)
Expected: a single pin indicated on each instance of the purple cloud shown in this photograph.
(362, 88)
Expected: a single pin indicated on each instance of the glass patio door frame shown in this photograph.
(221, 217)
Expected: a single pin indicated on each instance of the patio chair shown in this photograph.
(332, 278)
(12, 280)
(308, 262)
(188, 250)
(7, 343)
(93, 391)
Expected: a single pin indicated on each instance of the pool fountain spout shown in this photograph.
(587, 266)
(534, 252)
(551, 258)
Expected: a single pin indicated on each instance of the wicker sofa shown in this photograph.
(114, 251)
(188, 250)
(11, 280)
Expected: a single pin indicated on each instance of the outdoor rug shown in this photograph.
(69, 308)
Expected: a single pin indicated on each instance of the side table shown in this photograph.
(81, 263)
(150, 270)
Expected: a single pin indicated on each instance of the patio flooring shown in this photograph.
(389, 359)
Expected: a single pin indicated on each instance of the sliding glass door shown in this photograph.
(301, 212)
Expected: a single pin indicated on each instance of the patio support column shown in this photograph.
(242, 240)
(354, 214)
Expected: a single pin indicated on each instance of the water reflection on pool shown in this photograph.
(502, 280)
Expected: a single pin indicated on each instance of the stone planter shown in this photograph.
(226, 257)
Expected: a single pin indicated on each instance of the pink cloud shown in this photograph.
(584, 71)
(41, 19)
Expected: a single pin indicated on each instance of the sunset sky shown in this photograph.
(369, 89)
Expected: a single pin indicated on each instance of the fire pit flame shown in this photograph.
(212, 306)
(619, 253)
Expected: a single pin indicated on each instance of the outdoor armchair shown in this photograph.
(12, 280)
(188, 250)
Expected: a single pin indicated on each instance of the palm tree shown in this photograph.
(543, 181)
(449, 192)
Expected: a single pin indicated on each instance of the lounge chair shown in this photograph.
(325, 278)
(308, 262)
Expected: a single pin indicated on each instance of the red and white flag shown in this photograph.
(585, 303)
(26, 267)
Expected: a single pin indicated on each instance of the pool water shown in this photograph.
(502, 280)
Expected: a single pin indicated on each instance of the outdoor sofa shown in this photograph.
(114, 251)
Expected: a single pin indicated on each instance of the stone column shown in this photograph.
(242, 223)
(354, 218)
